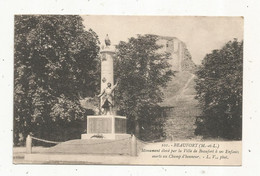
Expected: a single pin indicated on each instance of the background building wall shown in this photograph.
(180, 57)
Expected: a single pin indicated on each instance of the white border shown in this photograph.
(251, 136)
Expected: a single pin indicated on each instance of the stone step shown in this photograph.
(94, 146)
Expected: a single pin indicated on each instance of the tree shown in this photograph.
(219, 90)
(142, 71)
(55, 60)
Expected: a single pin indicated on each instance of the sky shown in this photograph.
(200, 34)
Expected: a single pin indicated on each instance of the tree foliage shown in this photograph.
(55, 60)
(219, 90)
(142, 71)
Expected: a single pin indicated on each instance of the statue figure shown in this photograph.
(107, 99)
(107, 41)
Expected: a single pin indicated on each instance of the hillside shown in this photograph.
(181, 118)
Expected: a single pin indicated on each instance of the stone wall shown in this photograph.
(180, 57)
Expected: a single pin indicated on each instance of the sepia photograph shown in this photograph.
(128, 90)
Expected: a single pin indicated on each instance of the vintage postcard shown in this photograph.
(128, 90)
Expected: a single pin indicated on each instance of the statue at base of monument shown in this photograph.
(107, 99)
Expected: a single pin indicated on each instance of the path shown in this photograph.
(181, 92)
(180, 123)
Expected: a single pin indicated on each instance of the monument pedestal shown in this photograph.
(105, 127)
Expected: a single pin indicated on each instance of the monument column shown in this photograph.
(106, 125)
(107, 68)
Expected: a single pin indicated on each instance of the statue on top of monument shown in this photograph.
(107, 41)
(107, 99)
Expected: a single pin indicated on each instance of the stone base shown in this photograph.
(105, 127)
(105, 136)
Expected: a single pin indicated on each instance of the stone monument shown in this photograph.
(107, 125)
